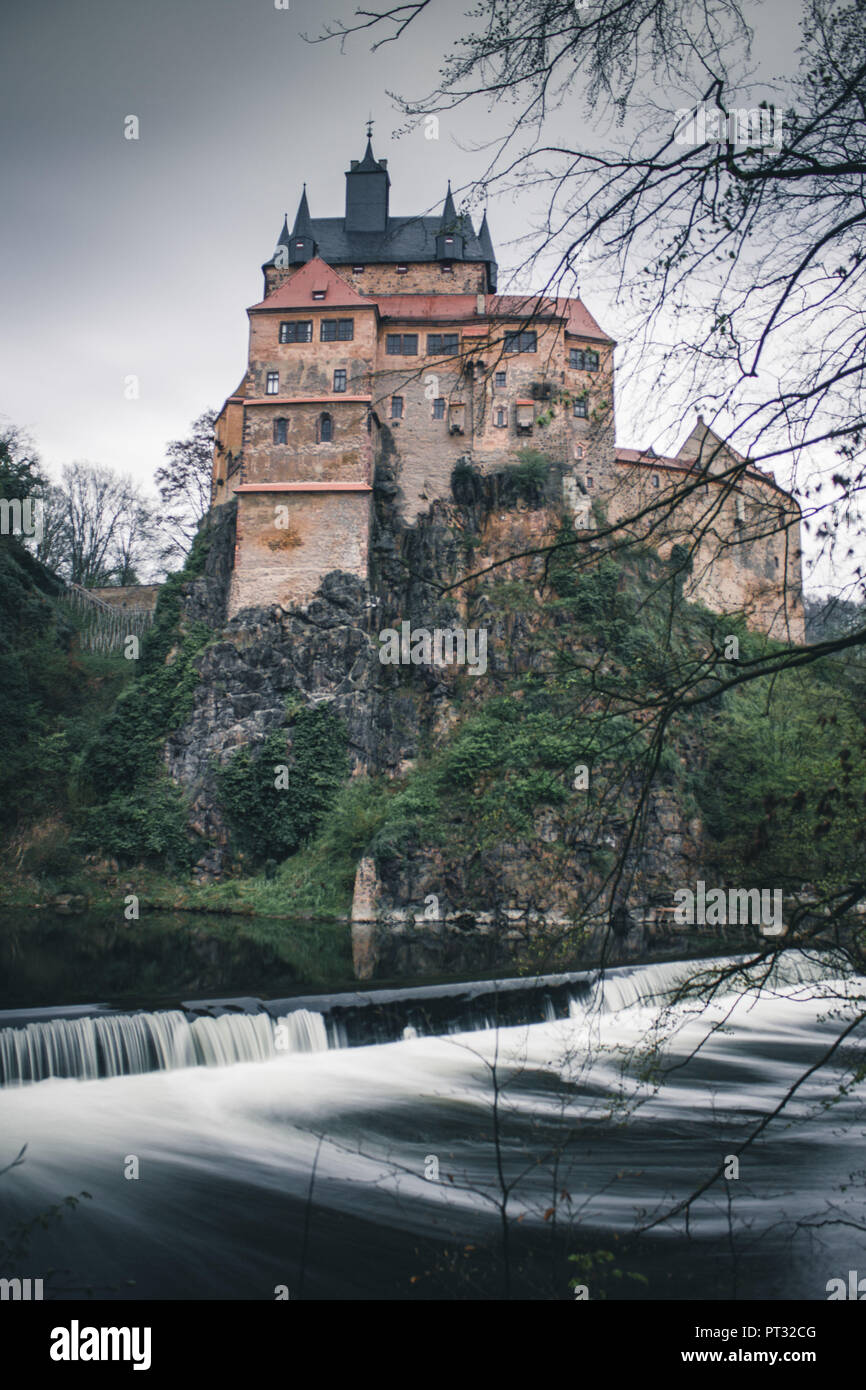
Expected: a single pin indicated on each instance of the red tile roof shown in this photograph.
(297, 291)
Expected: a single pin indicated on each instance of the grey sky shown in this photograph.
(124, 257)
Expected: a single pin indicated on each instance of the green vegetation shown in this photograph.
(269, 818)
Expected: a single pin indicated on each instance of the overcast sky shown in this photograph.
(138, 257)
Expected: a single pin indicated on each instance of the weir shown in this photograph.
(89, 1044)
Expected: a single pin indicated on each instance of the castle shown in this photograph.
(384, 336)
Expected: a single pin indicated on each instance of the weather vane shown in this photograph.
(370, 126)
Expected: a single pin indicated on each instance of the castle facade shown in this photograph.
(384, 337)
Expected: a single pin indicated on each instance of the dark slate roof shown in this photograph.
(369, 164)
(407, 239)
(302, 225)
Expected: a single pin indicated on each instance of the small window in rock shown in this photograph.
(402, 269)
(273, 383)
(340, 379)
(439, 408)
(501, 417)
(281, 426)
(325, 430)
(655, 479)
(396, 407)
(589, 480)
(500, 381)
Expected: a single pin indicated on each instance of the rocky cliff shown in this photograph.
(473, 891)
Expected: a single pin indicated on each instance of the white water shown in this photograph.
(127, 1045)
(226, 1152)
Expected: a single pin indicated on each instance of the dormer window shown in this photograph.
(402, 269)
(447, 268)
(357, 270)
(318, 294)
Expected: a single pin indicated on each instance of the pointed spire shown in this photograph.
(303, 223)
(485, 240)
(283, 239)
(449, 213)
(369, 164)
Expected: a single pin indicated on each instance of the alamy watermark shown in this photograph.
(719, 907)
(448, 646)
(22, 517)
(707, 125)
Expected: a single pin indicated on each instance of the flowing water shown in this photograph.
(232, 1150)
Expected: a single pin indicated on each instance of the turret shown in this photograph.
(367, 193)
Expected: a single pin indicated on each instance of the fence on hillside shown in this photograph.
(104, 627)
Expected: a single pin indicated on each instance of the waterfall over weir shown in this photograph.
(222, 1032)
(123, 1045)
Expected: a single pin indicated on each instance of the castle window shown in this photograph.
(590, 361)
(575, 358)
(580, 410)
(500, 381)
(401, 344)
(449, 241)
(337, 330)
(281, 426)
(589, 480)
(272, 386)
(318, 294)
(357, 270)
(578, 451)
(396, 407)
(776, 561)
(521, 342)
(340, 379)
(298, 332)
(447, 268)
(525, 417)
(440, 343)
(439, 408)
(655, 479)
(402, 269)
(324, 428)
(501, 419)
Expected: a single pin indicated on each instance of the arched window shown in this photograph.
(325, 430)
(281, 426)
